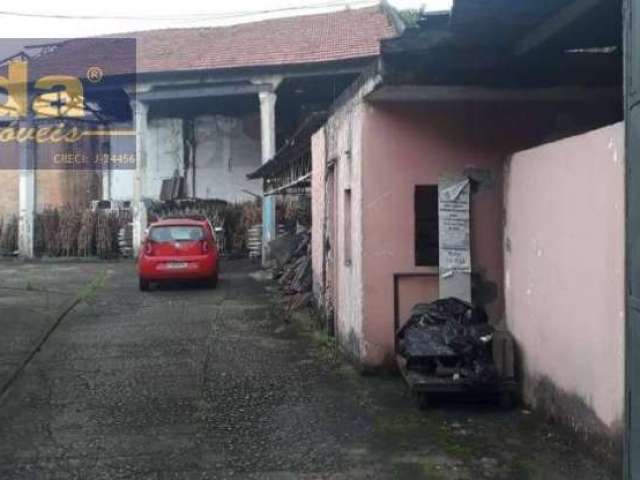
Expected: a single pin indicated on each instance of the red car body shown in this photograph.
(178, 249)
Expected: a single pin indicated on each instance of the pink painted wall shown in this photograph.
(404, 147)
(382, 151)
(564, 272)
(412, 290)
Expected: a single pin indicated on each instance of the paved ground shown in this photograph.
(187, 383)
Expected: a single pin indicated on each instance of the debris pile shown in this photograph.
(291, 254)
(449, 338)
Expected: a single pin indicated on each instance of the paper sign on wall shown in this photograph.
(454, 233)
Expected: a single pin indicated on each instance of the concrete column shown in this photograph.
(26, 197)
(268, 137)
(140, 111)
(104, 148)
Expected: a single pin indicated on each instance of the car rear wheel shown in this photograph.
(143, 284)
(212, 282)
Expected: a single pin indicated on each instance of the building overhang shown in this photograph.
(185, 92)
(472, 93)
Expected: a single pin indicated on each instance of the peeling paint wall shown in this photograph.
(117, 183)
(227, 149)
(318, 214)
(8, 192)
(564, 276)
(165, 153)
(340, 143)
(343, 144)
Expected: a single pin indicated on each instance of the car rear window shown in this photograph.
(177, 233)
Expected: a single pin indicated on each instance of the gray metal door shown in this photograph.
(632, 117)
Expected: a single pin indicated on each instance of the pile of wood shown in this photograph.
(235, 219)
(292, 267)
(239, 220)
(71, 232)
(212, 209)
(9, 235)
(46, 232)
(68, 229)
(107, 228)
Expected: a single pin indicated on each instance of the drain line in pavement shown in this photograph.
(82, 295)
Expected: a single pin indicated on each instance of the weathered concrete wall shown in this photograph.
(165, 154)
(117, 183)
(8, 192)
(564, 276)
(339, 143)
(343, 146)
(53, 187)
(318, 213)
(227, 149)
(59, 188)
(408, 146)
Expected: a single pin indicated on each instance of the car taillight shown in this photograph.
(148, 248)
(205, 246)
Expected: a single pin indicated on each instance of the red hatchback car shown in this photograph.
(179, 249)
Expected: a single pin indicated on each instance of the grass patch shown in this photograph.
(89, 292)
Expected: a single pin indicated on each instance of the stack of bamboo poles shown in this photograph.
(236, 219)
(71, 232)
(47, 232)
(87, 233)
(9, 235)
(68, 228)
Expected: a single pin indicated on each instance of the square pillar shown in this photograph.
(268, 141)
(26, 196)
(140, 111)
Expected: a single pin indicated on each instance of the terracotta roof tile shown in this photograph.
(326, 37)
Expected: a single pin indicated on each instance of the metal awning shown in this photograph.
(290, 168)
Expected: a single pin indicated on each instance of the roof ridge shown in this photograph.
(342, 10)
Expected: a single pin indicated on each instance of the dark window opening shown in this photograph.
(347, 227)
(426, 228)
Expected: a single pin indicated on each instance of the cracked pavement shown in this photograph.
(185, 382)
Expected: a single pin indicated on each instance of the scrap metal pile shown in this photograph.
(291, 254)
(450, 339)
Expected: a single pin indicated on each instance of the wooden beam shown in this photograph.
(434, 93)
(554, 25)
(182, 92)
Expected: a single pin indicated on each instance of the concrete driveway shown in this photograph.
(185, 382)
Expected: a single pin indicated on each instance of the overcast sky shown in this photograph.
(21, 20)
